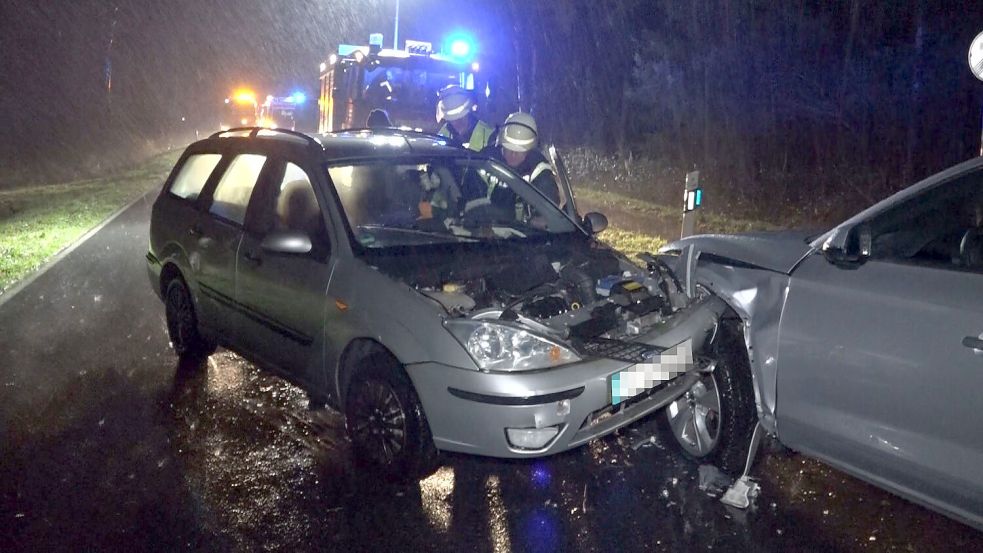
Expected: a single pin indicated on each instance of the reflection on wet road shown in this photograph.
(106, 442)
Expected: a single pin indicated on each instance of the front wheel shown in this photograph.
(714, 419)
(385, 421)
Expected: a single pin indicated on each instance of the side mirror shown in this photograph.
(848, 248)
(595, 222)
(287, 241)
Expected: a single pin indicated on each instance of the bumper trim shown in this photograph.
(516, 400)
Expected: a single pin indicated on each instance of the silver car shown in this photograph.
(434, 297)
(862, 346)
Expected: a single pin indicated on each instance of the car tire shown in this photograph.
(714, 420)
(182, 323)
(386, 424)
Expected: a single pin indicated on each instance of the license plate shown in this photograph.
(644, 376)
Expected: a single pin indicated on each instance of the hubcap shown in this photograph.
(695, 417)
(378, 422)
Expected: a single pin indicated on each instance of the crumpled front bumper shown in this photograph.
(469, 411)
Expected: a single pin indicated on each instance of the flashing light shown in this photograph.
(460, 49)
(244, 121)
(324, 66)
(226, 100)
(244, 96)
(460, 46)
(298, 97)
(332, 59)
(375, 39)
(475, 66)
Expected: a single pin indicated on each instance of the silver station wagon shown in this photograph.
(430, 294)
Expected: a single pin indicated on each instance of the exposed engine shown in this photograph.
(576, 294)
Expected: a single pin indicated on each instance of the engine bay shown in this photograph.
(577, 292)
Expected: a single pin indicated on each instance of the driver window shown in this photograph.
(295, 208)
(942, 227)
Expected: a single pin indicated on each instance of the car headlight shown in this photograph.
(501, 347)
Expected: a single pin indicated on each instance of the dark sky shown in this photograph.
(174, 58)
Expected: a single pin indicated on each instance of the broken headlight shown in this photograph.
(501, 347)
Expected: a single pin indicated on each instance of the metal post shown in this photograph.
(396, 29)
(689, 215)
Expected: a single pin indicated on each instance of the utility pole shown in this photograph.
(108, 66)
(396, 29)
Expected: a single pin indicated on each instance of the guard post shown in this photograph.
(692, 200)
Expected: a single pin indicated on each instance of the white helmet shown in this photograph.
(519, 132)
(455, 103)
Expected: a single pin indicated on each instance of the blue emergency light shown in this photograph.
(298, 97)
(460, 46)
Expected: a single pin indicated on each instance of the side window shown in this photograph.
(232, 194)
(193, 175)
(942, 227)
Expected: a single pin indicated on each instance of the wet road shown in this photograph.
(106, 442)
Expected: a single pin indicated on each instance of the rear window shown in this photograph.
(193, 175)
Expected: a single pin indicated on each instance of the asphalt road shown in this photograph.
(107, 443)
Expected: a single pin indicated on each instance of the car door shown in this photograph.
(880, 361)
(217, 235)
(284, 294)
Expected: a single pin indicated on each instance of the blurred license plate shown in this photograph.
(644, 376)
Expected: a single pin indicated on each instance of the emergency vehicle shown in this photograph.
(239, 110)
(358, 79)
(281, 111)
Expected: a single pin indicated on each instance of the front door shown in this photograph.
(282, 294)
(879, 368)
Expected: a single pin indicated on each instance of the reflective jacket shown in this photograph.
(479, 136)
(539, 173)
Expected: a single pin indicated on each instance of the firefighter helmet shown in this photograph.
(519, 132)
(455, 103)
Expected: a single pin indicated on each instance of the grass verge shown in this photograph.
(38, 221)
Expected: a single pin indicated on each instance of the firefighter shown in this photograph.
(518, 141)
(458, 122)
(378, 118)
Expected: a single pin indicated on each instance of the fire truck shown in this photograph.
(357, 79)
(239, 110)
(281, 111)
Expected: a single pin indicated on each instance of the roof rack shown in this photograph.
(254, 133)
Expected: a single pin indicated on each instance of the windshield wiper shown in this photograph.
(417, 232)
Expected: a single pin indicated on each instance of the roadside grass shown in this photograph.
(709, 222)
(631, 243)
(38, 221)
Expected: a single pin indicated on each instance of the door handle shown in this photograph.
(973, 343)
(253, 258)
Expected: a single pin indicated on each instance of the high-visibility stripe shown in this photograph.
(458, 110)
(517, 142)
(538, 170)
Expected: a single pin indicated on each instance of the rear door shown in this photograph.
(881, 365)
(283, 295)
(217, 235)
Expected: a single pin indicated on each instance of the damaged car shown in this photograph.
(430, 294)
(861, 346)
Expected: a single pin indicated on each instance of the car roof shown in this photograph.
(345, 145)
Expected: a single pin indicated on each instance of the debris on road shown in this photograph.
(741, 493)
(712, 480)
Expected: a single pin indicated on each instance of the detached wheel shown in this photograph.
(182, 323)
(713, 421)
(385, 422)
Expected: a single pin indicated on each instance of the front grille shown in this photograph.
(631, 352)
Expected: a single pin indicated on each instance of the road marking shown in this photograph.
(26, 281)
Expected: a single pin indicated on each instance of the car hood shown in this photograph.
(778, 251)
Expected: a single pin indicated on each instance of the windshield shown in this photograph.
(448, 200)
(406, 87)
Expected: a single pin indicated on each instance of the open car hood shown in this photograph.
(778, 251)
